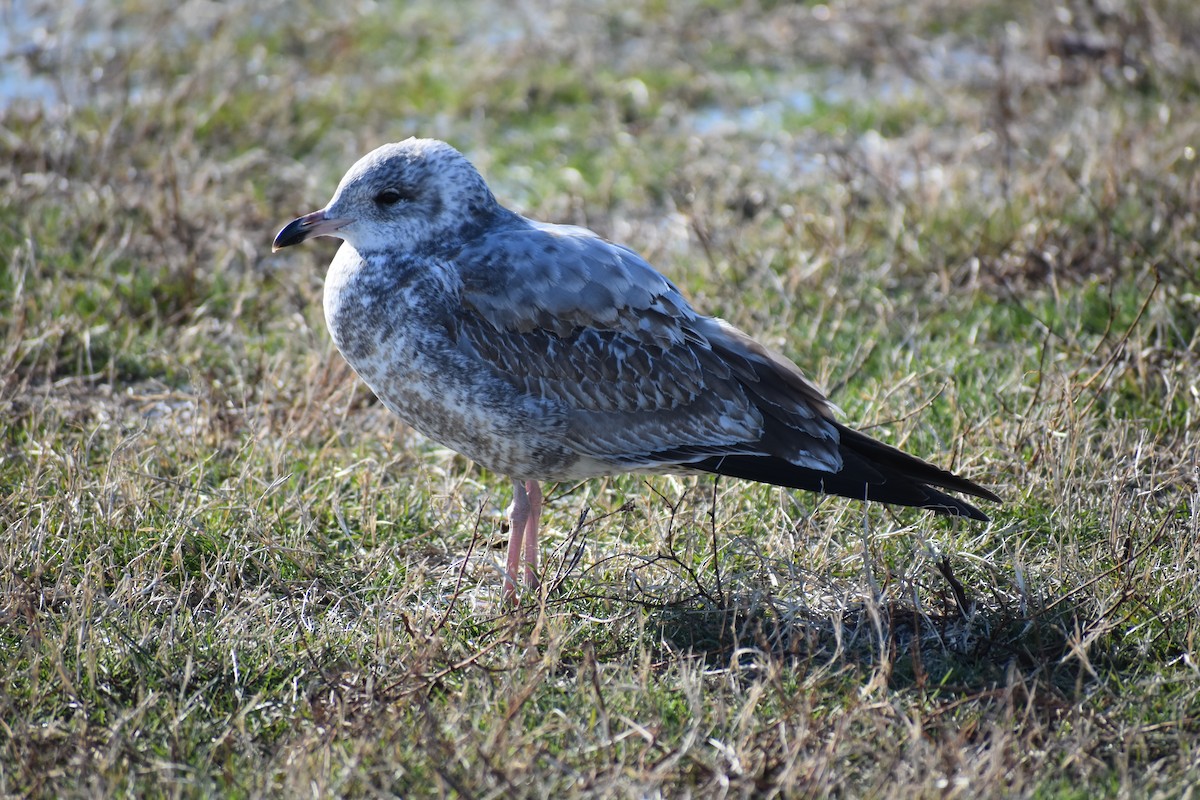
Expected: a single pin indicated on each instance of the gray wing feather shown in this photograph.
(572, 318)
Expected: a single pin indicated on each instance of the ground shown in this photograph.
(225, 570)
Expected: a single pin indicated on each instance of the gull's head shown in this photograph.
(401, 197)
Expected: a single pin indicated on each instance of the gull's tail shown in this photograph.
(871, 470)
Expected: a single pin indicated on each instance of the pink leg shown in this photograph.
(518, 517)
(531, 533)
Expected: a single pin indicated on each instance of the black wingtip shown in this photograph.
(944, 504)
(858, 480)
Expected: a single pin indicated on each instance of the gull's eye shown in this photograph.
(389, 197)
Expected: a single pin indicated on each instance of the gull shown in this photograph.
(546, 353)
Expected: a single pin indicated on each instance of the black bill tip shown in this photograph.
(306, 227)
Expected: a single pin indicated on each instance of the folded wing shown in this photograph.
(647, 383)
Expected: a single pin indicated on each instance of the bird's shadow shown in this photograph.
(906, 645)
(956, 632)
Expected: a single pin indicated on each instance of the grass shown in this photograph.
(226, 570)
